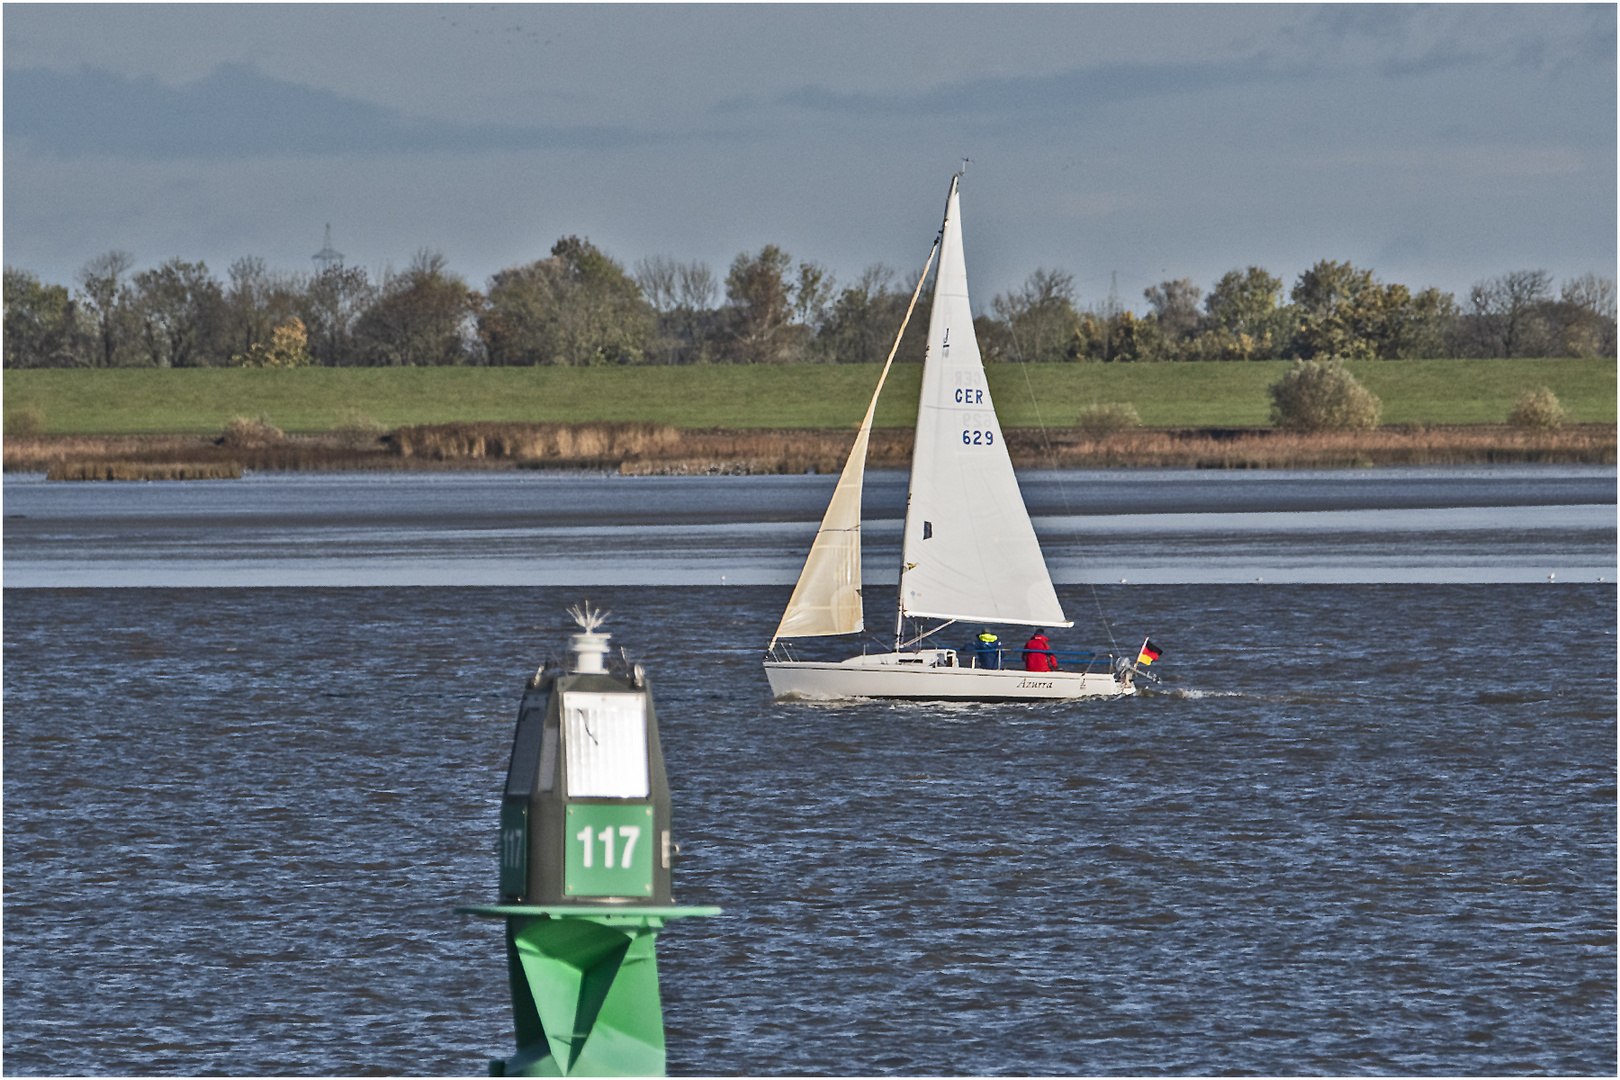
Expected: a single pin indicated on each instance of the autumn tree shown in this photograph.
(1040, 317)
(577, 307)
(180, 306)
(655, 276)
(104, 295)
(257, 301)
(1243, 318)
(759, 308)
(864, 318)
(420, 318)
(288, 347)
(812, 292)
(42, 323)
(1342, 311)
(1117, 337)
(330, 306)
(1584, 316)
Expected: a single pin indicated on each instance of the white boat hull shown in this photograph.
(932, 676)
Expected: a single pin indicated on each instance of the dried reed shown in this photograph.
(533, 442)
(126, 470)
(649, 448)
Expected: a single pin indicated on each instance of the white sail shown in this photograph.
(827, 598)
(969, 552)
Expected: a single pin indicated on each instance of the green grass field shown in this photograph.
(201, 401)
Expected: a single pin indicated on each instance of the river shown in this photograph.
(1366, 825)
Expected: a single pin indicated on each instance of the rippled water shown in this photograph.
(1159, 526)
(1362, 829)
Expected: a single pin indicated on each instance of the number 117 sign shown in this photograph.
(609, 850)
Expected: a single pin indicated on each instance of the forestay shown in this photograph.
(970, 551)
(827, 598)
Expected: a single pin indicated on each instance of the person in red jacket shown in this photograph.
(1038, 654)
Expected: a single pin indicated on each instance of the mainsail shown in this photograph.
(827, 599)
(969, 551)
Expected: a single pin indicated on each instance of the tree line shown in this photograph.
(579, 306)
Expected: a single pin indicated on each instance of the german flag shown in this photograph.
(1150, 652)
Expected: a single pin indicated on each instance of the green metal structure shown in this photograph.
(585, 871)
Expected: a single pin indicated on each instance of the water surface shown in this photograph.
(1169, 526)
(1363, 829)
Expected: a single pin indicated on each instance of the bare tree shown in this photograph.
(696, 287)
(101, 284)
(862, 321)
(682, 295)
(330, 305)
(1175, 305)
(1586, 316)
(1505, 312)
(657, 278)
(1040, 316)
(811, 294)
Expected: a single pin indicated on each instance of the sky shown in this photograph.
(1123, 144)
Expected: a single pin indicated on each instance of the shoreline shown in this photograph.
(649, 450)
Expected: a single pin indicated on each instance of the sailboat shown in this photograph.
(969, 553)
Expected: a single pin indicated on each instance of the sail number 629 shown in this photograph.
(978, 438)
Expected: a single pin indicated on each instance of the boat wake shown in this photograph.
(1183, 694)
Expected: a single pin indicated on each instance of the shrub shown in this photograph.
(1320, 395)
(353, 419)
(1104, 419)
(1538, 408)
(248, 434)
(288, 348)
(28, 420)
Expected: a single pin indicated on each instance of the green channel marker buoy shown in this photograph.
(585, 870)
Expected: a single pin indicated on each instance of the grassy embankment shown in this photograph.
(777, 418)
(310, 400)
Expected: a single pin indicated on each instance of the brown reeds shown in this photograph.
(249, 433)
(767, 452)
(660, 449)
(130, 470)
(529, 443)
(1269, 448)
(293, 452)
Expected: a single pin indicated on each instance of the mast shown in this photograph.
(900, 589)
(969, 551)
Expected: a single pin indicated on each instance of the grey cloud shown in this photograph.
(1415, 40)
(1034, 95)
(237, 111)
